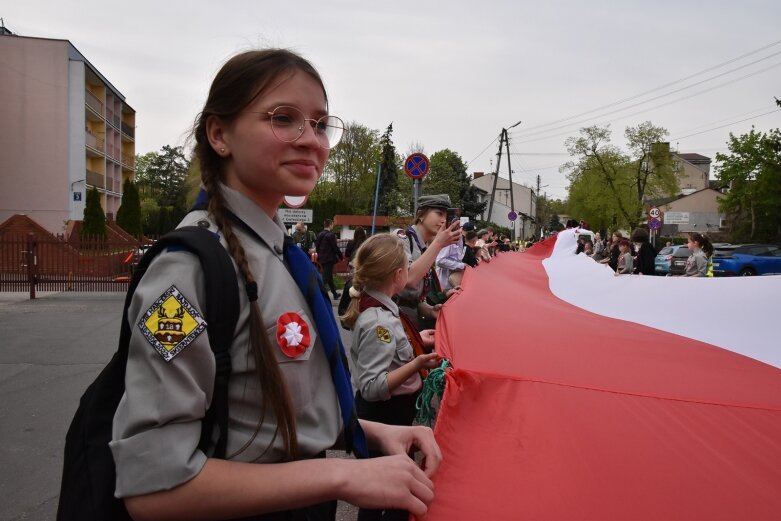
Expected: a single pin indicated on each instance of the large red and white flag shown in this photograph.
(577, 394)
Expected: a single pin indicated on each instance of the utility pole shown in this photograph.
(503, 139)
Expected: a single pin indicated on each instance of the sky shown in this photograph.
(451, 74)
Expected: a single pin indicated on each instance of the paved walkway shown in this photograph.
(51, 348)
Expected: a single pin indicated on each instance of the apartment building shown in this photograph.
(65, 129)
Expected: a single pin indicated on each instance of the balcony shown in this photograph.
(128, 160)
(93, 102)
(128, 130)
(96, 179)
(94, 142)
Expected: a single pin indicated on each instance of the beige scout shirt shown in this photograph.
(380, 345)
(157, 424)
(413, 253)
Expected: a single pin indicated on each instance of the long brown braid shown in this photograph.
(243, 78)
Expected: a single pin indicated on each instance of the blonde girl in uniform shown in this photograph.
(386, 367)
(264, 133)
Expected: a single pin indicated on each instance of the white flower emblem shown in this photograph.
(292, 334)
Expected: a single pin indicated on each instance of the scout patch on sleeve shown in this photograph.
(171, 324)
(383, 334)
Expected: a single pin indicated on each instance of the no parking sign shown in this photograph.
(416, 165)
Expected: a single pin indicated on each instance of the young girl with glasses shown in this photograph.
(264, 133)
(385, 363)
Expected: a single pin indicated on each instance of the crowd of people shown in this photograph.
(636, 255)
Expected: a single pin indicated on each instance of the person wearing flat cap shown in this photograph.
(423, 241)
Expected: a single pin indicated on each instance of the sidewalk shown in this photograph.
(52, 348)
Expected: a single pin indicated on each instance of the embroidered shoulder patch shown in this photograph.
(383, 334)
(171, 324)
(401, 233)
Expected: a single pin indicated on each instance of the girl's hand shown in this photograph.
(447, 235)
(427, 361)
(452, 291)
(403, 440)
(427, 335)
(387, 482)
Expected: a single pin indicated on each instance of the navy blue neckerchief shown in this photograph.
(311, 286)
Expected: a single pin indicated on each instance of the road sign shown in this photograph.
(293, 215)
(512, 216)
(654, 223)
(676, 218)
(295, 201)
(416, 165)
(654, 213)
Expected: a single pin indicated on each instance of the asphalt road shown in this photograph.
(51, 348)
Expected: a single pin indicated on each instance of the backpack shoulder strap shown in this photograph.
(221, 311)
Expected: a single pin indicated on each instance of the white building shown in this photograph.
(520, 199)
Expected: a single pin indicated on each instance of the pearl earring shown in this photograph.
(222, 151)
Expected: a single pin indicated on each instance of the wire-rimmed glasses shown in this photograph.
(288, 124)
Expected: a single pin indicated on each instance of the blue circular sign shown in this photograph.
(416, 166)
(512, 216)
(654, 224)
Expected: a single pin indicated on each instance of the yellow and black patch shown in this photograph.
(383, 334)
(171, 324)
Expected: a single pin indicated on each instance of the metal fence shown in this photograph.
(31, 263)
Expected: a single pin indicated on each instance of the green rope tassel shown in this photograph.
(434, 384)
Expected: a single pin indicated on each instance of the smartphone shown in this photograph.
(453, 214)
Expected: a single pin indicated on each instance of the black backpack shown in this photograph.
(89, 474)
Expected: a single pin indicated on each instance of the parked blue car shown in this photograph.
(747, 260)
(662, 260)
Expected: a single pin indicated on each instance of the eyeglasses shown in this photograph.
(288, 124)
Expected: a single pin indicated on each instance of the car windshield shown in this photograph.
(666, 251)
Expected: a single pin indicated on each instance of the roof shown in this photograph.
(22, 224)
(382, 221)
(692, 158)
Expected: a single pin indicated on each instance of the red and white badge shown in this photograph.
(292, 334)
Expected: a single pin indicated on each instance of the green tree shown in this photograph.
(752, 170)
(548, 211)
(608, 187)
(447, 175)
(388, 198)
(129, 213)
(352, 166)
(162, 177)
(470, 204)
(94, 225)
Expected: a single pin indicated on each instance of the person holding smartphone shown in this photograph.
(423, 241)
(450, 260)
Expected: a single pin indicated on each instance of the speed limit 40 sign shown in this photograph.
(654, 213)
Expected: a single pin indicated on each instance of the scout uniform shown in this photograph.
(380, 345)
(170, 368)
(409, 298)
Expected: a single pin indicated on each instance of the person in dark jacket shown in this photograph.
(328, 254)
(644, 261)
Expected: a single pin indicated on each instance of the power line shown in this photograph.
(722, 126)
(574, 129)
(482, 152)
(630, 98)
(673, 92)
(707, 125)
